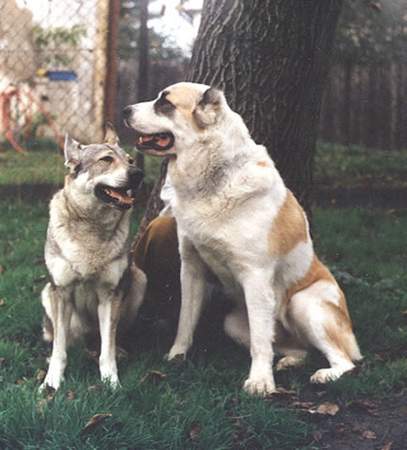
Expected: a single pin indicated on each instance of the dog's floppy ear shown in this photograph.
(206, 112)
(72, 155)
(111, 135)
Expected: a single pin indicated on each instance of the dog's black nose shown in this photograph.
(135, 176)
(127, 112)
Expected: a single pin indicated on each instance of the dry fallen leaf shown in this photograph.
(317, 436)
(387, 446)
(376, 6)
(2, 269)
(70, 395)
(303, 405)
(368, 434)
(40, 375)
(282, 391)
(368, 406)
(154, 376)
(94, 421)
(2, 361)
(95, 388)
(194, 431)
(2, 302)
(327, 408)
(41, 404)
(340, 428)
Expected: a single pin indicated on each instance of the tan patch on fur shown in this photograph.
(339, 328)
(263, 164)
(289, 227)
(68, 179)
(317, 272)
(185, 99)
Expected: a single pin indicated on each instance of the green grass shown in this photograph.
(340, 166)
(335, 166)
(45, 165)
(366, 251)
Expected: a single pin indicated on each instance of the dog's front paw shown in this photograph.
(176, 354)
(51, 382)
(260, 386)
(111, 380)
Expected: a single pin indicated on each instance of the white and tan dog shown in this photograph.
(94, 287)
(237, 219)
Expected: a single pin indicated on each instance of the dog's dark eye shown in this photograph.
(107, 159)
(163, 106)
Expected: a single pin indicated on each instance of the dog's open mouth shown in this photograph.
(156, 141)
(120, 197)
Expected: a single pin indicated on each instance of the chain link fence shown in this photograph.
(53, 69)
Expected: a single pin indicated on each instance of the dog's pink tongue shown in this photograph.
(163, 141)
(119, 196)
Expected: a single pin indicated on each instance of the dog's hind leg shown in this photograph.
(320, 319)
(108, 314)
(236, 326)
(58, 301)
(133, 298)
(292, 351)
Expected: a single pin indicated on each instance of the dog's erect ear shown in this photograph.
(206, 112)
(111, 135)
(72, 150)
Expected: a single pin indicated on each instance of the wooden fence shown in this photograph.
(366, 105)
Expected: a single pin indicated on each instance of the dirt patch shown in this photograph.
(362, 424)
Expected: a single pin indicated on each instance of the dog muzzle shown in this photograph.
(157, 141)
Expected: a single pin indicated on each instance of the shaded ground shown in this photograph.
(358, 427)
(359, 424)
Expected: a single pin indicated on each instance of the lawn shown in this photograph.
(199, 404)
(358, 167)
(45, 165)
(335, 166)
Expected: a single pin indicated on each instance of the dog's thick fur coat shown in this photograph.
(94, 287)
(237, 219)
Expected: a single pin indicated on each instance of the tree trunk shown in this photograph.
(271, 57)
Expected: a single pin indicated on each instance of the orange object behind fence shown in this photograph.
(10, 122)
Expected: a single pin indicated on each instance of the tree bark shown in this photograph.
(270, 57)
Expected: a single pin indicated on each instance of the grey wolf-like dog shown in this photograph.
(94, 287)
